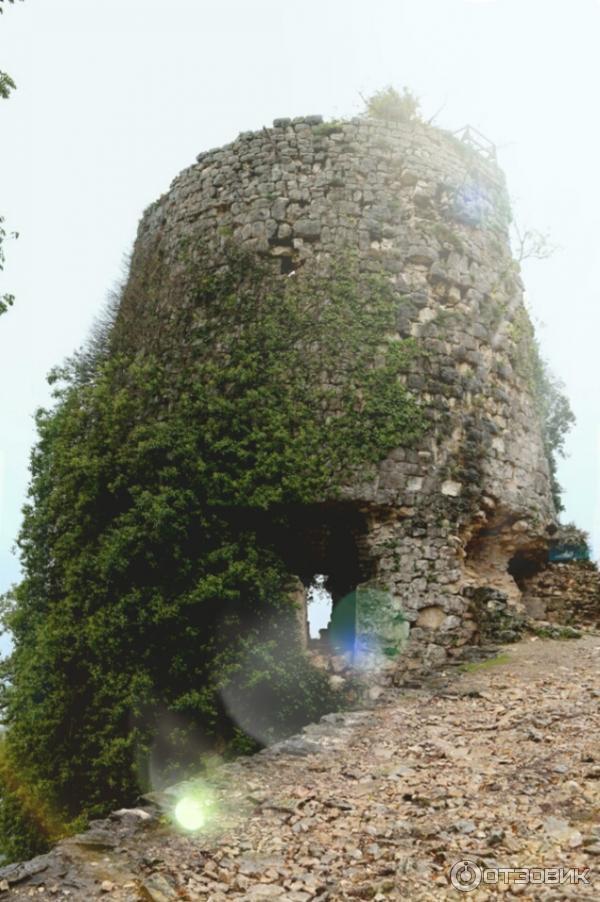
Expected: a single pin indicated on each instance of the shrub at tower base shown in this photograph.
(147, 591)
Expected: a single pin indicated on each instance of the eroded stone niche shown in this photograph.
(435, 524)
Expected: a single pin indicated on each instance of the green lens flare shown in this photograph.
(190, 813)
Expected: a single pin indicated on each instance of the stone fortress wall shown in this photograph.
(567, 594)
(440, 526)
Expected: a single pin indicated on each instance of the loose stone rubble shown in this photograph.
(497, 762)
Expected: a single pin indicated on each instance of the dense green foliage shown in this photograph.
(151, 598)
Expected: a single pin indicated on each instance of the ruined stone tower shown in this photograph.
(441, 529)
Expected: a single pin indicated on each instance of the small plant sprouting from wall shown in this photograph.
(325, 129)
(391, 105)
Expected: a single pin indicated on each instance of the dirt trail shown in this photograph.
(499, 765)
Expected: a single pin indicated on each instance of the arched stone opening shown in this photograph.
(501, 560)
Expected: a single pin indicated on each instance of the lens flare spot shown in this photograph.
(190, 814)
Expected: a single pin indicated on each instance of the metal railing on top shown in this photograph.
(473, 138)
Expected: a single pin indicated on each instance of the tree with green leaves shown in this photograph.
(557, 421)
(2, 5)
(6, 300)
(552, 403)
(6, 86)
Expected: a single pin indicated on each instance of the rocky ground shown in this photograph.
(497, 763)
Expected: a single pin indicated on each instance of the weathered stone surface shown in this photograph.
(430, 216)
(307, 228)
(564, 593)
(431, 618)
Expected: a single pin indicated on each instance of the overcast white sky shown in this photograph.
(115, 97)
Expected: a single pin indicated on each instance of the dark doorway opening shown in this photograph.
(325, 546)
(327, 539)
(522, 566)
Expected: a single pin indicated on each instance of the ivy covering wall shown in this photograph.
(144, 598)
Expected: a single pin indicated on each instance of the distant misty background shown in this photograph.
(115, 97)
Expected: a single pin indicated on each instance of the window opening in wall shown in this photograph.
(320, 606)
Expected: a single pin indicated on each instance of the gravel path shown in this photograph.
(498, 764)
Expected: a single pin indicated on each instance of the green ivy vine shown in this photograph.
(146, 598)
